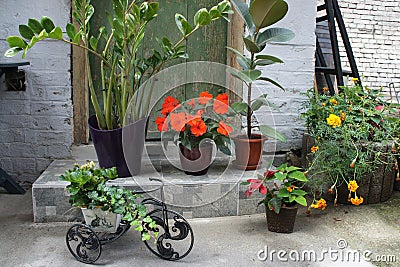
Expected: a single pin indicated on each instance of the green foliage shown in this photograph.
(88, 188)
(258, 16)
(364, 138)
(123, 68)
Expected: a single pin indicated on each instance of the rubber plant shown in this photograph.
(123, 68)
(258, 16)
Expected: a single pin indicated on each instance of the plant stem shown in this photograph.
(249, 111)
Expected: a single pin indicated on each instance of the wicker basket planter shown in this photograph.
(282, 222)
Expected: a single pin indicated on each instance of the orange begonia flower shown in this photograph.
(191, 102)
(178, 121)
(221, 104)
(169, 105)
(162, 125)
(224, 129)
(197, 127)
(204, 97)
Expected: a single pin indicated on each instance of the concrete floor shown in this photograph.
(228, 241)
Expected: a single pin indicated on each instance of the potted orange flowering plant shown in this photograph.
(196, 124)
(283, 191)
(352, 155)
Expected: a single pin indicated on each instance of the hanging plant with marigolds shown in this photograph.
(352, 131)
(189, 122)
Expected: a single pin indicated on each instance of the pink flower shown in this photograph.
(255, 184)
(379, 107)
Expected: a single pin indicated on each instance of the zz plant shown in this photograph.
(123, 68)
(258, 16)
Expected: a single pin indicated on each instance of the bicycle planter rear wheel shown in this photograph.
(175, 236)
(83, 243)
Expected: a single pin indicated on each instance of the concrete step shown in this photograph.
(216, 194)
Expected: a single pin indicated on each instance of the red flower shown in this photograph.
(162, 125)
(197, 127)
(255, 184)
(191, 102)
(221, 104)
(169, 105)
(224, 129)
(204, 97)
(178, 121)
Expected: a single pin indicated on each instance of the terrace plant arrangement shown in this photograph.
(105, 207)
(258, 16)
(195, 125)
(283, 191)
(354, 146)
(124, 67)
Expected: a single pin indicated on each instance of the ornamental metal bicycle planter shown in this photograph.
(174, 242)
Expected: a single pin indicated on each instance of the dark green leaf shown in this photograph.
(184, 27)
(16, 41)
(215, 13)
(271, 132)
(47, 24)
(202, 17)
(271, 81)
(276, 35)
(263, 60)
(243, 11)
(71, 31)
(276, 203)
(35, 26)
(239, 107)
(267, 12)
(225, 150)
(26, 32)
(250, 45)
(93, 42)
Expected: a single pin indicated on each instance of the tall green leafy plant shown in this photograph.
(258, 16)
(123, 68)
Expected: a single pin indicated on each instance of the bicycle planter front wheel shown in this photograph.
(175, 235)
(83, 243)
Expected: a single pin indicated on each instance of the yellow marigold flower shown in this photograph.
(355, 79)
(314, 149)
(291, 188)
(320, 204)
(342, 115)
(323, 104)
(357, 201)
(334, 120)
(352, 186)
(326, 89)
(333, 101)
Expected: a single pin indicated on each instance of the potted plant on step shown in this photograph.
(258, 17)
(124, 68)
(105, 208)
(352, 148)
(283, 191)
(196, 124)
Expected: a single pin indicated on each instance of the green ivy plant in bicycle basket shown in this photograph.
(88, 189)
(352, 131)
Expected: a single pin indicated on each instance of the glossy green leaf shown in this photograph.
(71, 31)
(184, 27)
(276, 203)
(271, 81)
(263, 60)
(239, 54)
(93, 42)
(271, 132)
(298, 175)
(77, 37)
(239, 107)
(16, 41)
(215, 13)
(267, 12)
(250, 45)
(202, 17)
(35, 26)
(26, 32)
(276, 35)
(245, 64)
(283, 193)
(56, 33)
(280, 176)
(243, 10)
(225, 150)
(47, 24)
(12, 51)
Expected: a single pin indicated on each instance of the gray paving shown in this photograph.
(224, 241)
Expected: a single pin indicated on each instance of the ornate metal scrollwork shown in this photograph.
(83, 243)
(175, 239)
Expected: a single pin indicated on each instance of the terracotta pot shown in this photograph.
(196, 161)
(282, 222)
(121, 148)
(248, 151)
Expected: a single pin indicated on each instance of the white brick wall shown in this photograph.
(296, 75)
(374, 31)
(36, 125)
